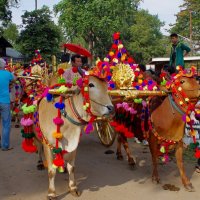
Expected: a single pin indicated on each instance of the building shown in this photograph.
(158, 63)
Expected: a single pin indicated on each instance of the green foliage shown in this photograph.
(95, 21)
(11, 33)
(39, 32)
(189, 8)
(92, 23)
(5, 12)
(145, 37)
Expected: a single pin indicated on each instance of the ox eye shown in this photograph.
(91, 85)
(182, 81)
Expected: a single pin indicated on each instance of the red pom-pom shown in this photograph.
(116, 36)
(86, 81)
(69, 85)
(58, 162)
(197, 153)
(27, 146)
(130, 60)
(61, 71)
(114, 46)
(114, 123)
(129, 134)
(75, 69)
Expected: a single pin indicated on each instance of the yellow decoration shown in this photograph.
(123, 75)
(179, 89)
(193, 133)
(115, 60)
(106, 59)
(111, 53)
(140, 81)
(85, 89)
(123, 57)
(57, 135)
(87, 105)
(187, 119)
(120, 46)
(181, 103)
(186, 99)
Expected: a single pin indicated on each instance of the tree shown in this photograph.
(39, 32)
(94, 21)
(146, 40)
(188, 21)
(5, 12)
(11, 33)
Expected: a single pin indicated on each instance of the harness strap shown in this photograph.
(74, 110)
(64, 114)
(173, 103)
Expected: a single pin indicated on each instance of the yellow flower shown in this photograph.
(57, 135)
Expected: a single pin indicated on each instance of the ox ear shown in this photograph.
(80, 71)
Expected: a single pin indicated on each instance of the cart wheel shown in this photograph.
(105, 132)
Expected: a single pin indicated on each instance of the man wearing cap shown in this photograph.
(5, 79)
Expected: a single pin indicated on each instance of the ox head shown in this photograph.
(100, 101)
(190, 86)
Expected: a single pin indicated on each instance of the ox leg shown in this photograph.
(51, 173)
(70, 167)
(128, 152)
(153, 146)
(179, 159)
(119, 147)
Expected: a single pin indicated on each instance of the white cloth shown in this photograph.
(187, 138)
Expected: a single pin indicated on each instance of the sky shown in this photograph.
(165, 9)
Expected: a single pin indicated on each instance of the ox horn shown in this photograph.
(80, 71)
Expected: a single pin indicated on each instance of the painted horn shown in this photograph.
(80, 71)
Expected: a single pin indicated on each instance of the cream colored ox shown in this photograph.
(100, 106)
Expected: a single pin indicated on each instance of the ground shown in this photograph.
(99, 176)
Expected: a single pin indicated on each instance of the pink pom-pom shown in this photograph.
(119, 105)
(26, 122)
(58, 121)
(79, 82)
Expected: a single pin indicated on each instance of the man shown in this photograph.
(72, 73)
(5, 78)
(178, 51)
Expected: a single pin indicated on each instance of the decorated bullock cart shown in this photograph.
(86, 102)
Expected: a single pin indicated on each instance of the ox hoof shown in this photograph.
(52, 198)
(119, 156)
(40, 167)
(189, 188)
(131, 162)
(75, 193)
(156, 180)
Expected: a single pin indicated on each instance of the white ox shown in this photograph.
(100, 105)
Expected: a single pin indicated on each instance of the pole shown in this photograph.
(35, 4)
(191, 32)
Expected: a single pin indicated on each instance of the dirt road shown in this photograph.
(99, 176)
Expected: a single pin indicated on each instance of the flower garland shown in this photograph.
(27, 132)
(123, 119)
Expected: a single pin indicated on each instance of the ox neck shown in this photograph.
(77, 107)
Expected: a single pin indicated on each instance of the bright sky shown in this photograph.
(165, 9)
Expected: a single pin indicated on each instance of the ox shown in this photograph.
(100, 106)
(167, 123)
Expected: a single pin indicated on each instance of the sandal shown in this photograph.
(10, 148)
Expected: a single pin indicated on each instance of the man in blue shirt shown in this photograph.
(5, 79)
